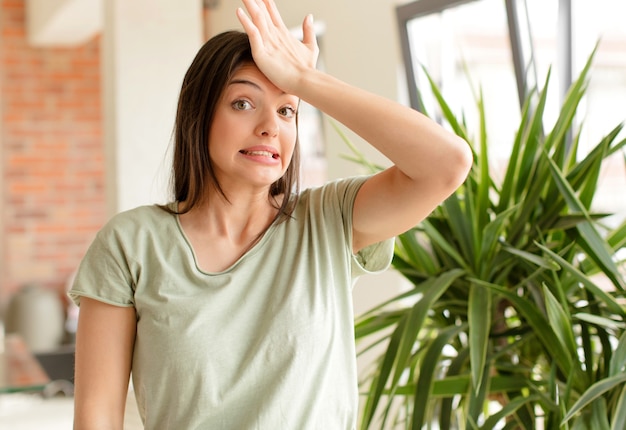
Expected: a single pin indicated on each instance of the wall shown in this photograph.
(52, 194)
(147, 46)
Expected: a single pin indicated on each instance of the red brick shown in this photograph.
(53, 155)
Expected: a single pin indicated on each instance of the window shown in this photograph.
(506, 48)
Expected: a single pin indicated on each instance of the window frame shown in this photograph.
(523, 62)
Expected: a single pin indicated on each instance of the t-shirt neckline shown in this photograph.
(249, 253)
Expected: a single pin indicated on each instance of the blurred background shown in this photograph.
(88, 91)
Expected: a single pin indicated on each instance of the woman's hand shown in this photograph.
(278, 54)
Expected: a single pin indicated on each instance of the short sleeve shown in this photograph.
(105, 273)
(374, 258)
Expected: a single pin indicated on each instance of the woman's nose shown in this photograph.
(268, 125)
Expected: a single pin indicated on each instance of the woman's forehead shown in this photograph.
(249, 74)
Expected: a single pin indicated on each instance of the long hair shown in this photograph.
(203, 85)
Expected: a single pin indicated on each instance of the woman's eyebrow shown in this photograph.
(247, 82)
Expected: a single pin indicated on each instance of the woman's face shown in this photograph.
(253, 134)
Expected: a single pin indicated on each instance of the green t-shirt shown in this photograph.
(266, 344)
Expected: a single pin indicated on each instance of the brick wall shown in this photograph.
(52, 164)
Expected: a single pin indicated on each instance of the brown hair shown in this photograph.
(203, 84)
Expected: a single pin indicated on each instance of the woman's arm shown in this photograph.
(104, 351)
(429, 163)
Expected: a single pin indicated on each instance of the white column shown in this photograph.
(2, 215)
(147, 45)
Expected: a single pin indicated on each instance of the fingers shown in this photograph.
(271, 40)
(308, 34)
(247, 24)
(274, 14)
(264, 15)
(255, 18)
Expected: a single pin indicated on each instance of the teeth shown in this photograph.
(259, 153)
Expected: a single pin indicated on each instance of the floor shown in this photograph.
(33, 412)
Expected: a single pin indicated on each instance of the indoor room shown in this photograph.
(502, 307)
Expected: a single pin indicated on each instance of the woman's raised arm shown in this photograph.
(429, 162)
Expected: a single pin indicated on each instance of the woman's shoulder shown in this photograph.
(333, 191)
(141, 218)
(336, 185)
(142, 214)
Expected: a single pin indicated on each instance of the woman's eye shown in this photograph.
(287, 111)
(241, 105)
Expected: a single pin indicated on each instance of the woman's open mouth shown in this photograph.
(259, 154)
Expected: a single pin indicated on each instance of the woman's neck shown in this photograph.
(221, 231)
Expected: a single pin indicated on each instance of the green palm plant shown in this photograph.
(507, 324)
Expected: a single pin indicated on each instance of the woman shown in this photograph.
(231, 307)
